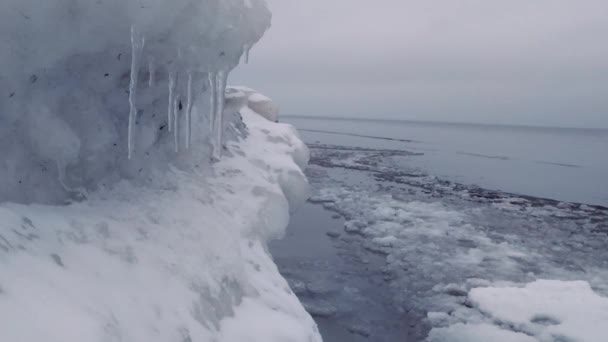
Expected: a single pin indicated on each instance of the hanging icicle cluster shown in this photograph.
(137, 46)
(179, 118)
(123, 89)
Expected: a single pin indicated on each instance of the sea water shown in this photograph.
(566, 164)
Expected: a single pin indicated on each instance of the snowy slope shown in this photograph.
(185, 260)
(136, 196)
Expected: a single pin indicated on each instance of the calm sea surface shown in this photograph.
(558, 163)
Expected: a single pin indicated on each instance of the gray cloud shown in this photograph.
(541, 62)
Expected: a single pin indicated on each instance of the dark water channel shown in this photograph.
(341, 284)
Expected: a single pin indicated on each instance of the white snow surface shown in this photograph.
(549, 310)
(476, 333)
(541, 311)
(183, 260)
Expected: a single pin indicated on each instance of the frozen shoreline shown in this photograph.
(165, 263)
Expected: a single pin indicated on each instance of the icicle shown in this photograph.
(176, 112)
(247, 51)
(152, 72)
(189, 112)
(171, 99)
(220, 94)
(212, 99)
(137, 46)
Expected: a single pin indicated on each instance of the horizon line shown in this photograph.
(443, 122)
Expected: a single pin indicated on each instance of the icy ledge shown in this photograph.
(182, 261)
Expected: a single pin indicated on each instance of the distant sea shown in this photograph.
(565, 164)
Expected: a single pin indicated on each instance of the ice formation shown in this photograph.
(247, 53)
(545, 310)
(137, 47)
(182, 261)
(103, 70)
(118, 220)
(461, 262)
(171, 99)
(262, 104)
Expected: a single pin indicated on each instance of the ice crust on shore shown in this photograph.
(541, 311)
(185, 260)
(137, 198)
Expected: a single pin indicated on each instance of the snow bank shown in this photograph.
(545, 310)
(119, 221)
(185, 260)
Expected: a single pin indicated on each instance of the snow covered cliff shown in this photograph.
(137, 196)
(184, 260)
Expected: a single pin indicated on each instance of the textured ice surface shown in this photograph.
(441, 239)
(97, 92)
(119, 221)
(549, 310)
(545, 310)
(476, 333)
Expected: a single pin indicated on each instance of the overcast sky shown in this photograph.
(538, 62)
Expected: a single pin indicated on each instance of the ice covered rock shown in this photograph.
(260, 104)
